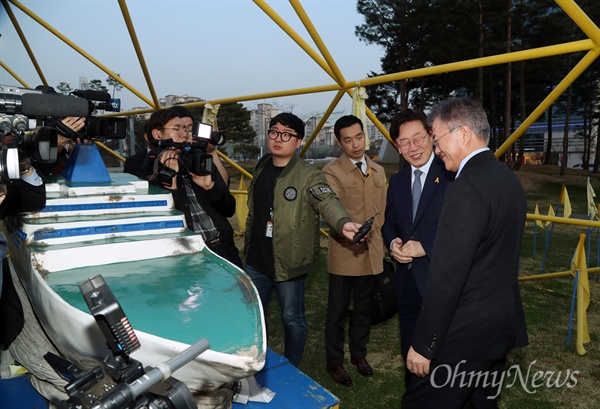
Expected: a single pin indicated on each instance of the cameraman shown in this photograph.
(188, 121)
(204, 199)
(26, 195)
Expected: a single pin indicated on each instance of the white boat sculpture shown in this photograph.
(172, 288)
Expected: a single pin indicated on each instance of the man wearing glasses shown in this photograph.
(204, 199)
(188, 122)
(282, 238)
(472, 314)
(414, 201)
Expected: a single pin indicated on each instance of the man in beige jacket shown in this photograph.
(360, 185)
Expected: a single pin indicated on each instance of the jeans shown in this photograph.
(291, 300)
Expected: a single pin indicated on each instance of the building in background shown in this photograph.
(259, 121)
(167, 101)
(536, 137)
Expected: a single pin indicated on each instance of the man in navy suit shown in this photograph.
(410, 239)
(472, 314)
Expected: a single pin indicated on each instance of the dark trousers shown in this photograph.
(454, 386)
(409, 307)
(341, 290)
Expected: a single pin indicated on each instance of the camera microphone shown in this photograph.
(33, 104)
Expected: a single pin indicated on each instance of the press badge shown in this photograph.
(269, 231)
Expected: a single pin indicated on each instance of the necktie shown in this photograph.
(359, 166)
(416, 192)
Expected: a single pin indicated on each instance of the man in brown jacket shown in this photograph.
(360, 185)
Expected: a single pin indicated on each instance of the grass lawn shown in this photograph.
(547, 306)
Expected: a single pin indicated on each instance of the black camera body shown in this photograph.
(123, 383)
(23, 131)
(192, 155)
(203, 135)
(107, 127)
(192, 159)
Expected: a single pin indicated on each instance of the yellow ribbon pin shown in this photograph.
(437, 180)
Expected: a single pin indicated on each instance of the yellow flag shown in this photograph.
(537, 213)
(592, 210)
(579, 264)
(241, 205)
(550, 212)
(564, 199)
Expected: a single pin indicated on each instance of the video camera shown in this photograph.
(123, 383)
(107, 127)
(22, 127)
(192, 155)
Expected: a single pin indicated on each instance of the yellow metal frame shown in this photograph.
(590, 45)
(325, 60)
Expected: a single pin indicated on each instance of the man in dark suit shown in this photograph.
(472, 314)
(410, 240)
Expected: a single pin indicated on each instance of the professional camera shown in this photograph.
(192, 155)
(123, 383)
(203, 134)
(23, 113)
(107, 127)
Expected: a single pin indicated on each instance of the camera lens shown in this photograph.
(217, 138)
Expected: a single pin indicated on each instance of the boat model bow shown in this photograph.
(173, 289)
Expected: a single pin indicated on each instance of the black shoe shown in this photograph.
(339, 374)
(362, 365)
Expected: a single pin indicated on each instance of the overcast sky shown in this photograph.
(209, 49)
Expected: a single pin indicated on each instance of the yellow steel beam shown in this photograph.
(13, 19)
(325, 65)
(330, 67)
(14, 74)
(78, 49)
(138, 52)
(326, 115)
(581, 19)
(107, 149)
(563, 220)
(293, 35)
(235, 165)
(585, 62)
(314, 34)
(555, 275)
(572, 47)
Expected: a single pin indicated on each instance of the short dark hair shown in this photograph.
(345, 122)
(159, 119)
(182, 112)
(406, 115)
(291, 121)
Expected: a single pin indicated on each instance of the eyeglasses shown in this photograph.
(405, 143)
(436, 140)
(180, 131)
(285, 136)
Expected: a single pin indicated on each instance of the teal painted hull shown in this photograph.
(178, 298)
(173, 289)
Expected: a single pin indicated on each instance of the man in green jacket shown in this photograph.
(282, 240)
